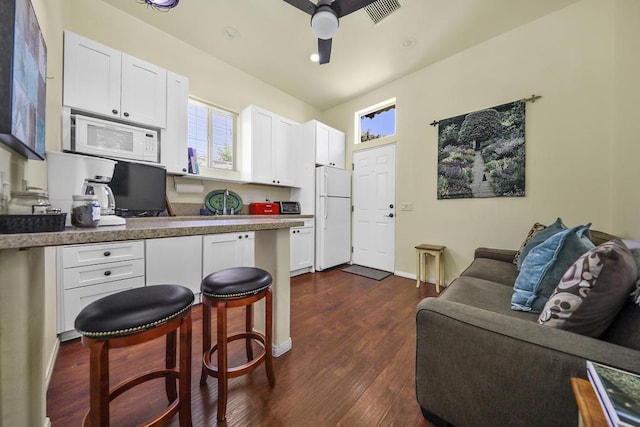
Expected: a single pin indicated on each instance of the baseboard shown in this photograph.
(405, 274)
(280, 349)
(47, 422)
(412, 276)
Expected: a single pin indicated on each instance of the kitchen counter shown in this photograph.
(28, 282)
(149, 228)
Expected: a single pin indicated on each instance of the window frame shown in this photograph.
(211, 110)
(391, 102)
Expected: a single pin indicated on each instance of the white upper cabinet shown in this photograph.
(102, 80)
(329, 143)
(175, 136)
(269, 151)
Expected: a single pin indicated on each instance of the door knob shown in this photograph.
(390, 215)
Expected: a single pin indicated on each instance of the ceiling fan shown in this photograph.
(324, 19)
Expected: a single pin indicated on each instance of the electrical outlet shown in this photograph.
(406, 206)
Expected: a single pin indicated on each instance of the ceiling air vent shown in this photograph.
(380, 9)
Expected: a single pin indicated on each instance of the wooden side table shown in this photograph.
(590, 412)
(423, 252)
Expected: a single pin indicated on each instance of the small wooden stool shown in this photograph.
(235, 287)
(133, 317)
(423, 251)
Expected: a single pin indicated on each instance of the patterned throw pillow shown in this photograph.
(592, 291)
(537, 227)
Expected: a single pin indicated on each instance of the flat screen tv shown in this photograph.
(23, 71)
(139, 189)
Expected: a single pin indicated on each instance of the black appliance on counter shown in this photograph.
(139, 189)
(290, 208)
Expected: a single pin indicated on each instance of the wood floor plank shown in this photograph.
(352, 364)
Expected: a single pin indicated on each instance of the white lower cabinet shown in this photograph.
(221, 251)
(89, 272)
(175, 260)
(302, 248)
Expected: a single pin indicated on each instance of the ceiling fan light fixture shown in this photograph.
(161, 4)
(324, 23)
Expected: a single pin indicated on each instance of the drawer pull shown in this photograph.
(107, 273)
(107, 253)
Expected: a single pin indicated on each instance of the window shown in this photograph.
(377, 121)
(212, 134)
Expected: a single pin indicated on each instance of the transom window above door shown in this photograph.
(377, 121)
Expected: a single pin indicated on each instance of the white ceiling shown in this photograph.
(274, 39)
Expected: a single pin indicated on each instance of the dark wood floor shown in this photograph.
(352, 364)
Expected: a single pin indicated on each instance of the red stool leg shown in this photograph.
(98, 383)
(185, 372)
(249, 329)
(170, 363)
(268, 348)
(206, 336)
(222, 360)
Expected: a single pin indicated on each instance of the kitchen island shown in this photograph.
(28, 342)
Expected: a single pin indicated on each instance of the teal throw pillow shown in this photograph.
(538, 238)
(544, 266)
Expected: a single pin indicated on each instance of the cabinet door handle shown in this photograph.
(126, 114)
(114, 111)
(239, 237)
(246, 236)
(107, 253)
(107, 273)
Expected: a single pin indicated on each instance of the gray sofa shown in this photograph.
(479, 363)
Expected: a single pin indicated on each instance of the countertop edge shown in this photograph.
(145, 229)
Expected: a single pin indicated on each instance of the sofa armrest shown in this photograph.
(475, 367)
(506, 255)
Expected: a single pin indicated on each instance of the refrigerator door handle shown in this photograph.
(325, 188)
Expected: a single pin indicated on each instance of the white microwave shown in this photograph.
(104, 138)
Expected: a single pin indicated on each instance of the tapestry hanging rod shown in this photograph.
(531, 99)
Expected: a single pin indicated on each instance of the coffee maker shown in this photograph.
(69, 174)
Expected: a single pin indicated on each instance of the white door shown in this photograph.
(374, 201)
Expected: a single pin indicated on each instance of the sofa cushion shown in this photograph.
(538, 238)
(492, 270)
(544, 266)
(592, 291)
(485, 295)
(535, 229)
(634, 248)
(624, 330)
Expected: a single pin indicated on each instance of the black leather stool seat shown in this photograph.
(133, 310)
(236, 282)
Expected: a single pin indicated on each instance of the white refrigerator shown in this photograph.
(333, 217)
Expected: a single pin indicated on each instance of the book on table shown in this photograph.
(618, 392)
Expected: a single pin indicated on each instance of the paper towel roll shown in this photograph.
(189, 188)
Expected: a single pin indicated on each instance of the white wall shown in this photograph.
(567, 58)
(626, 148)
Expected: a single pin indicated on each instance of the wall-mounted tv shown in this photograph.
(23, 71)
(139, 189)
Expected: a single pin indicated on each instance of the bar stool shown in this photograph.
(235, 287)
(132, 317)
(423, 251)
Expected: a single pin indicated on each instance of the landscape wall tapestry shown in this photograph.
(482, 154)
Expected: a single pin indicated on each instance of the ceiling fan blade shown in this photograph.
(345, 7)
(324, 50)
(304, 5)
